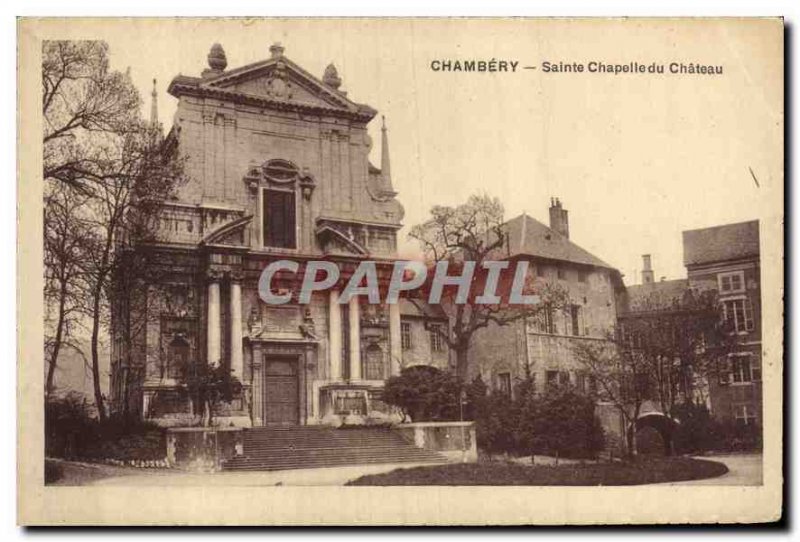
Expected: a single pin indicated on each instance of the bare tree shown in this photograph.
(125, 210)
(64, 250)
(97, 146)
(619, 377)
(663, 353)
(83, 102)
(683, 343)
(475, 232)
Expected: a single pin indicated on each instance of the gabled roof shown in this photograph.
(240, 84)
(721, 243)
(529, 237)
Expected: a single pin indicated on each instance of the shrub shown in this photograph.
(699, 432)
(72, 433)
(562, 423)
(496, 424)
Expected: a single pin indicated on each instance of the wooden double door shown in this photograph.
(281, 391)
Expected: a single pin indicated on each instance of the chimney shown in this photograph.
(647, 269)
(558, 218)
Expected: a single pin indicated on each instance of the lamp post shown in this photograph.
(462, 398)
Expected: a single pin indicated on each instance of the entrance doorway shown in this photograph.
(281, 397)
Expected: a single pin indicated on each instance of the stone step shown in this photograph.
(276, 448)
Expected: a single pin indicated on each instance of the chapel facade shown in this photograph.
(278, 168)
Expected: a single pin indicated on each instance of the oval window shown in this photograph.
(280, 171)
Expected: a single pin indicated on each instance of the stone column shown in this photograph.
(258, 392)
(355, 339)
(334, 336)
(237, 361)
(395, 339)
(213, 349)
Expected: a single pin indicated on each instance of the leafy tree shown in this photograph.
(209, 387)
(424, 393)
(475, 232)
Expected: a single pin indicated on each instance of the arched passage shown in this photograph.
(653, 433)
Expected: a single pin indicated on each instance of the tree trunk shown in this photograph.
(462, 352)
(98, 393)
(51, 368)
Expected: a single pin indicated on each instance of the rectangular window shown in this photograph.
(730, 283)
(551, 379)
(745, 414)
(504, 383)
(405, 335)
(437, 341)
(563, 378)
(580, 382)
(575, 313)
(744, 369)
(540, 272)
(583, 276)
(546, 324)
(278, 215)
(562, 274)
(738, 314)
(755, 368)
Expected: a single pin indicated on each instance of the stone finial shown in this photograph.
(217, 60)
(331, 77)
(276, 50)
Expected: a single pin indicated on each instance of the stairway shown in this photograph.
(306, 447)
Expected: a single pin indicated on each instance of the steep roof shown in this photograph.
(419, 308)
(529, 237)
(653, 296)
(721, 243)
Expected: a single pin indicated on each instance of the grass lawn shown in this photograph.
(640, 471)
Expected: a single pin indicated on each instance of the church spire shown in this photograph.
(154, 106)
(386, 170)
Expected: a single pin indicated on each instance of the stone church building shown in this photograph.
(278, 168)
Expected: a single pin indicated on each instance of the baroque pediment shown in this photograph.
(278, 81)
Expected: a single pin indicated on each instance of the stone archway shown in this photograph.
(653, 433)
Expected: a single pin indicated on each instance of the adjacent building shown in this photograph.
(543, 346)
(727, 259)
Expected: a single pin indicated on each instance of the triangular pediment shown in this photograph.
(284, 81)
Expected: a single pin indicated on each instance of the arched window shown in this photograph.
(178, 353)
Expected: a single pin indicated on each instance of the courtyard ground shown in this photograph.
(79, 474)
(743, 470)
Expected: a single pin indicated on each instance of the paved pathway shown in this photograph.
(743, 470)
(330, 476)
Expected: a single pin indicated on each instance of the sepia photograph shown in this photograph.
(278, 260)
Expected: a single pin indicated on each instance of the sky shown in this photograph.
(635, 159)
